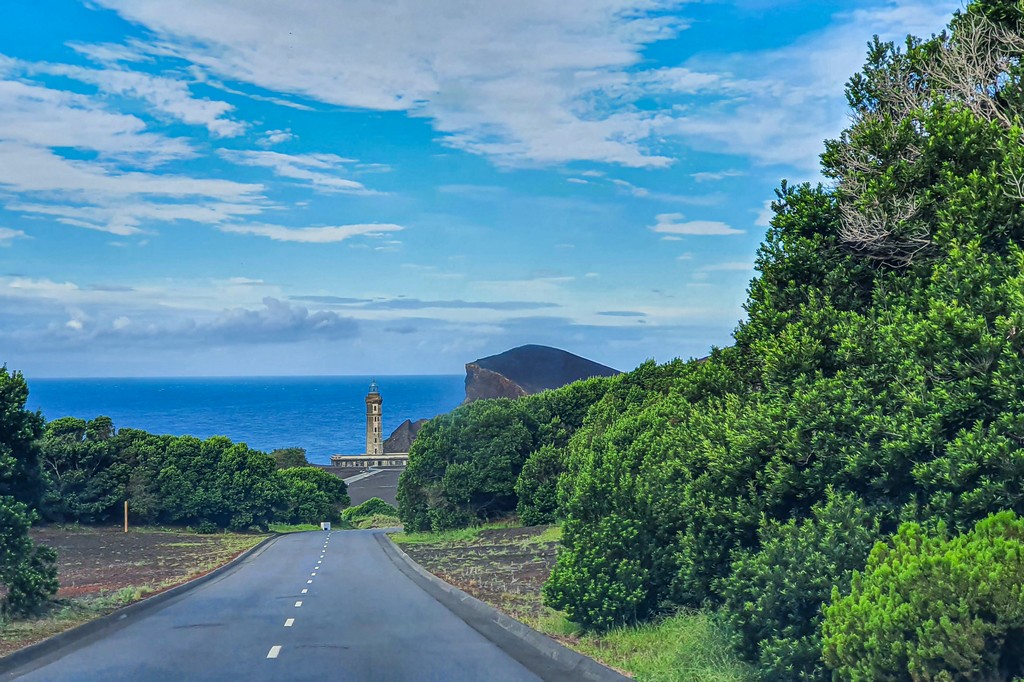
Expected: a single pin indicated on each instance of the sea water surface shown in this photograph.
(324, 415)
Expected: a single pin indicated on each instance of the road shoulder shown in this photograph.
(543, 656)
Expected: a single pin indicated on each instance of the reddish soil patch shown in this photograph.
(92, 561)
(505, 567)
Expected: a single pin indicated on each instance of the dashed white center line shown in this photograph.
(309, 582)
(290, 622)
(313, 573)
(305, 591)
(274, 651)
(298, 604)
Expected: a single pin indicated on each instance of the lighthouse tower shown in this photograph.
(374, 435)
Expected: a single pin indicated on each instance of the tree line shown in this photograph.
(72, 470)
(841, 485)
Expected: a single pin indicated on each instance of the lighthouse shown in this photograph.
(374, 435)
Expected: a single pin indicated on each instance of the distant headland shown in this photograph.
(527, 370)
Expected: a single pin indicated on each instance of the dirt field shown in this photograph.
(101, 569)
(504, 567)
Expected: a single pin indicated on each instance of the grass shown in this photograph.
(293, 527)
(376, 521)
(448, 538)
(550, 534)
(687, 647)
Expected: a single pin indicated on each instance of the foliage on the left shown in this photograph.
(28, 573)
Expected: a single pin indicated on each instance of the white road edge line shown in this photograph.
(274, 651)
(288, 623)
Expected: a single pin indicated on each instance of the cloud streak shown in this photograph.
(532, 82)
(319, 170)
(311, 235)
(673, 224)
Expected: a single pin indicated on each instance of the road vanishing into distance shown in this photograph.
(306, 606)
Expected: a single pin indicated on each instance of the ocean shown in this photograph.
(324, 415)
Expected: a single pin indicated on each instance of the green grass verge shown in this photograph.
(376, 521)
(688, 647)
(293, 527)
(447, 538)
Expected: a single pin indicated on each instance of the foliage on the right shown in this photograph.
(931, 607)
(878, 371)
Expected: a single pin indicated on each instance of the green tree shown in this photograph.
(537, 486)
(774, 596)
(464, 465)
(286, 458)
(84, 478)
(931, 607)
(311, 495)
(28, 571)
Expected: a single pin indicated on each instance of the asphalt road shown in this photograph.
(383, 484)
(308, 606)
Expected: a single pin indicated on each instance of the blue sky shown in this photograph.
(254, 187)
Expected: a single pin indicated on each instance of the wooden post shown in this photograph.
(126, 516)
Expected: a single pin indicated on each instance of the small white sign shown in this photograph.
(325, 525)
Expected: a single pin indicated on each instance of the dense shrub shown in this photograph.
(881, 358)
(90, 469)
(537, 486)
(311, 495)
(931, 607)
(28, 573)
(774, 596)
(463, 466)
(651, 515)
(287, 458)
(372, 506)
(83, 477)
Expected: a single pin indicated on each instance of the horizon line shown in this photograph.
(234, 376)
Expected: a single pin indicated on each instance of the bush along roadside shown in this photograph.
(373, 513)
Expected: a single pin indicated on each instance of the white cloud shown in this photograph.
(525, 83)
(38, 116)
(312, 235)
(272, 137)
(91, 195)
(7, 235)
(712, 176)
(169, 96)
(791, 99)
(38, 124)
(765, 215)
(578, 181)
(630, 188)
(672, 223)
(317, 169)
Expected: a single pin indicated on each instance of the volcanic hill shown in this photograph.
(526, 370)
